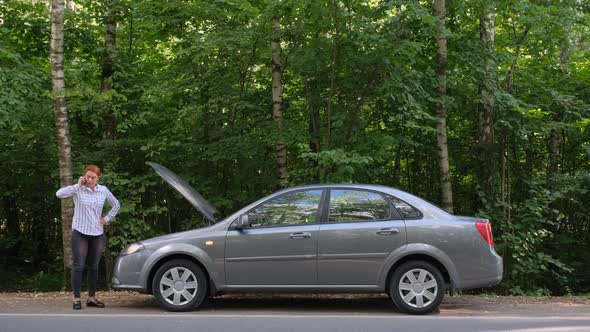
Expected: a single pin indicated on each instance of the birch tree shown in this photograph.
(106, 87)
(62, 129)
(486, 103)
(277, 99)
(107, 70)
(441, 108)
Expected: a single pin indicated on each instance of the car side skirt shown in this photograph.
(302, 288)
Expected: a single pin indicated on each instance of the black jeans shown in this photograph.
(86, 249)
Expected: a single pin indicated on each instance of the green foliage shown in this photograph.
(191, 89)
(530, 268)
(330, 166)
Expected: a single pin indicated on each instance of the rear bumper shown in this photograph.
(479, 283)
(493, 277)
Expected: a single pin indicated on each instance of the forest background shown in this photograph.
(481, 107)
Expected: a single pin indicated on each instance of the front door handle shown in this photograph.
(388, 231)
(299, 235)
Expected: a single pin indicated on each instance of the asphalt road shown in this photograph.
(280, 322)
(130, 312)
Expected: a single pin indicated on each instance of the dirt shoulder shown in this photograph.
(462, 305)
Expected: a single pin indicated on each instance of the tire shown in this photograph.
(417, 288)
(180, 285)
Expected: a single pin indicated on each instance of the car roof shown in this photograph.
(341, 185)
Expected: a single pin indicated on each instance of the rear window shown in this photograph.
(406, 210)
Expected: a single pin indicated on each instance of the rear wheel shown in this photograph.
(180, 285)
(417, 287)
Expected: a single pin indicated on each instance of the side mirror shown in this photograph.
(242, 222)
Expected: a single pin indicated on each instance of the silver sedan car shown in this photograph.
(345, 238)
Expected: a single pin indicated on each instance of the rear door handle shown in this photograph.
(299, 235)
(388, 231)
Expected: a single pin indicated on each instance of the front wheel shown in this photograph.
(180, 285)
(417, 287)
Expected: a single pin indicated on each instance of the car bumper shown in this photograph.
(478, 283)
(127, 272)
(493, 276)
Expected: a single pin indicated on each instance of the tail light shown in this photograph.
(485, 230)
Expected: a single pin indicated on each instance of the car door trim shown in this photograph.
(272, 258)
(374, 255)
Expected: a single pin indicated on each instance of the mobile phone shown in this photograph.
(84, 182)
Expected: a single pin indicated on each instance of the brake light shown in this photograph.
(485, 230)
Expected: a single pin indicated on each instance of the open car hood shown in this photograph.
(188, 192)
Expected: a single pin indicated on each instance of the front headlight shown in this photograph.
(132, 248)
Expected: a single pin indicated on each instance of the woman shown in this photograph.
(88, 238)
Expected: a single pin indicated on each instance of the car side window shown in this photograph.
(406, 210)
(357, 205)
(296, 208)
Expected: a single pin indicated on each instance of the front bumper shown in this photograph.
(127, 272)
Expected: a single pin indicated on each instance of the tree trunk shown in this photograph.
(441, 109)
(505, 153)
(130, 33)
(11, 213)
(396, 176)
(62, 129)
(519, 42)
(554, 152)
(109, 127)
(277, 100)
(314, 101)
(107, 72)
(555, 140)
(333, 65)
(487, 158)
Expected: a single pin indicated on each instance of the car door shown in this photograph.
(360, 230)
(280, 245)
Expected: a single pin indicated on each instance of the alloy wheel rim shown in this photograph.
(178, 286)
(418, 288)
